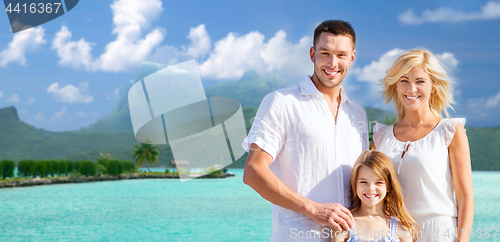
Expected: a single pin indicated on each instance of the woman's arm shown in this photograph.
(462, 180)
(373, 145)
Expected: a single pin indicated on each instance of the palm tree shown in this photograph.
(146, 153)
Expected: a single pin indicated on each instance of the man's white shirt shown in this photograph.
(312, 154)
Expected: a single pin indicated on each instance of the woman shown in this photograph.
(430, 153)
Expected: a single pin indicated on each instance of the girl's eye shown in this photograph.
(380, 183)
(362, 182)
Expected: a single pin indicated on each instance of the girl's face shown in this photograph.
(371, 189)
(414, 89)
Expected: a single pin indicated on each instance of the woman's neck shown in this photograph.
(415, 118)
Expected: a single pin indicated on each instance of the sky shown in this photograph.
(65, 74)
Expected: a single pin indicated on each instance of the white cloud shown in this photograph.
(14, 98)
(22, 42)
(482, 103)
(448, 60)
(81, 114)
(490, 10)
(113, 96)
(130, 18)
(58, 114)
(69, 93)
(38, 117)
(233, 55)
(493, 101)
(376, 70)
(200, 42)
(1, 94)
(30, 100)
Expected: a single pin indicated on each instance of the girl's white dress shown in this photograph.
(424, 172)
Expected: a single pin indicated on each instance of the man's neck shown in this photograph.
(332, 94)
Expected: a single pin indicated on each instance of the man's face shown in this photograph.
(332, 57)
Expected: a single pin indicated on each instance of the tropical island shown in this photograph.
(46, 172)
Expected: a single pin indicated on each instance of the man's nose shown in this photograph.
(333, 61)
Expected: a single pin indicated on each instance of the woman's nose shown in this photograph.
(412, 87)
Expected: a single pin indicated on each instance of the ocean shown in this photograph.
(168, 210)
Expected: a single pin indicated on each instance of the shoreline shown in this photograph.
(83, 179)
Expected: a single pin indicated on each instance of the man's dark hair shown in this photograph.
(336, 27)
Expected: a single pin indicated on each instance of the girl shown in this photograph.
(377, 203)
(431, 153)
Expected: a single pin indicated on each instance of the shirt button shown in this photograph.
(341, 200)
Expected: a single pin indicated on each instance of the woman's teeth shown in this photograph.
(412, 97)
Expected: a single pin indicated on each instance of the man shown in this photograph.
(304, 141)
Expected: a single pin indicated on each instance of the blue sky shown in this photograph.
(65, 74)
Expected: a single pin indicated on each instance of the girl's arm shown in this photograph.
(339, 236)
(462, 180)
(403, 234)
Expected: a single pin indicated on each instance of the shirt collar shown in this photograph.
(307, 87)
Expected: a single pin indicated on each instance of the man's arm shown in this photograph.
(258, 176)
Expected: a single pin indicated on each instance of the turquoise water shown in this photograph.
(167, 210)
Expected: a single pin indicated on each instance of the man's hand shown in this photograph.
(332, 214)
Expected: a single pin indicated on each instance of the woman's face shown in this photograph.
(414, 89)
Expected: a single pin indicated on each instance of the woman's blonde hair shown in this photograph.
(394, 205)
(439, 101)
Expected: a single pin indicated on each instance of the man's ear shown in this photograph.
(353, 56)
(312, 51)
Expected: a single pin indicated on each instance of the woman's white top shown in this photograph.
(424, 169)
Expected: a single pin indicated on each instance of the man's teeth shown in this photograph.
(330, 73)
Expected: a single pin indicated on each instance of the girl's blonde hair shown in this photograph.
(393, 202)
(439, 101)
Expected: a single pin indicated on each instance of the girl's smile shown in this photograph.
(371, 189)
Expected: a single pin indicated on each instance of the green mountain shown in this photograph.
(23, 141)
(113, 133)
(484, 143)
